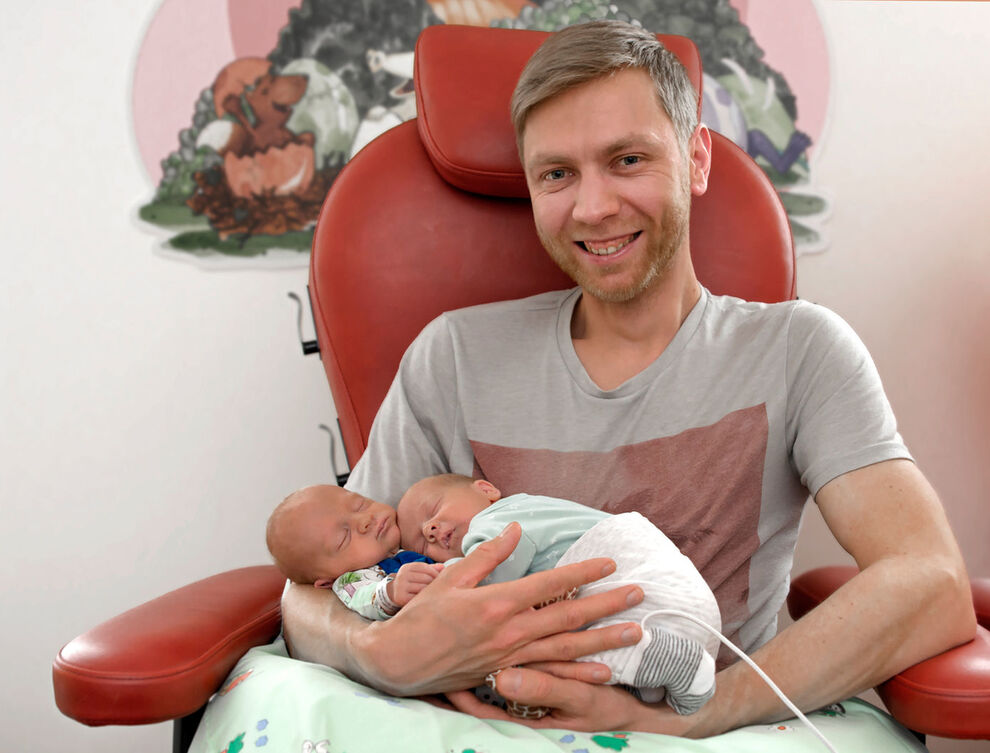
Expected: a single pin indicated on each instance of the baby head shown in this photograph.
(434, 513)
(321, 532)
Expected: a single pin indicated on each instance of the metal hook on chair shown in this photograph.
(341, 477)
(308, 346)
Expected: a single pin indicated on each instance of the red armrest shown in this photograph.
(164, 659)
(947, 695)
(981, 600)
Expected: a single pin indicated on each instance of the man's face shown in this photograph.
(434, 515)
(610, 187)
(337, 531)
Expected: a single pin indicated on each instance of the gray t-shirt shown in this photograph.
(718, 442)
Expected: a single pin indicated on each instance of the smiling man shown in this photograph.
(641, 390)
(611, 200)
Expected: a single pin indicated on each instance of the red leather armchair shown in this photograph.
(432, 216)
(947, 695)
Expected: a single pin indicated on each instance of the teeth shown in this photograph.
(608, 250)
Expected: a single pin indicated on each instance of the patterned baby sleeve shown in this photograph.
(358, 590)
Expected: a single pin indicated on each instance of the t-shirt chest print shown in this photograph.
(702, 487)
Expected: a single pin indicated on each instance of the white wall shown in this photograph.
(153, 412)
(909, 265)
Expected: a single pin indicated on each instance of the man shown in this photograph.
(640, 390)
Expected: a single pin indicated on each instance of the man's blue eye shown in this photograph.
(556, 174)
(631, 159)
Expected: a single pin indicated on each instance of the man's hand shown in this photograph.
(410, 579)
(454, 635)
(576, 704)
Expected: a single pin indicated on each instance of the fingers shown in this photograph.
(537, 588)
(533, 688)
(542, 587)
(580, 706)
(423, 579)
(484, 558)
(567, 646)
(408, 590)
(467, 702)
(584, 671)
(421, 568)
(574, 704)
(418, 572)
(530, 687)
(573, 614)
(408, 584)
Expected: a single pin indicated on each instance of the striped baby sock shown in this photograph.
(679, 665)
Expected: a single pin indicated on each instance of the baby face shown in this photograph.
(332, 531)
(435, 514)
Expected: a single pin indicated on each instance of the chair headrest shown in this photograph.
(464, 77)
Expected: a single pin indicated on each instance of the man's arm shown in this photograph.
(318, 627)
(910, 601)
(454, 634)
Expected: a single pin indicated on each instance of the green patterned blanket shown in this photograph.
(274, 704)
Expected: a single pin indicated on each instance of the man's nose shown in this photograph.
(595, 199)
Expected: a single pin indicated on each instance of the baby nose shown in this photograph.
(429, 531)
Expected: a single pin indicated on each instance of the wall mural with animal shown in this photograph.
(283, 93)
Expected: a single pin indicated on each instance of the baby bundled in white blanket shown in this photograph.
(445, 517)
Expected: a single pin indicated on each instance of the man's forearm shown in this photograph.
(911, 600)
(895, 613)
(319, 628)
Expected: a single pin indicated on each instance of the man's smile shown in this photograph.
(610, 246)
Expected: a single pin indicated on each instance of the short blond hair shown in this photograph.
(578, 54)
(290, 562)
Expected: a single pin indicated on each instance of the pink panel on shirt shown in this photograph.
(701, 487)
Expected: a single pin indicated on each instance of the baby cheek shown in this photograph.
(415, 544)
(438, 554)
(408, 542)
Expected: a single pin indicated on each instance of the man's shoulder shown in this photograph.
(730, 306)
(538, 305)
(502, 328)
(796, 317)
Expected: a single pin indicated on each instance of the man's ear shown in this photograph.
(488, 489)
(324, 583)
(700, 159)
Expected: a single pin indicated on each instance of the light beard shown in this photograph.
(660, 258)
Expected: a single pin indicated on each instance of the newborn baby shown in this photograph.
(445, 517)
(334, 538)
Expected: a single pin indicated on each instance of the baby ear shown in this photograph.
(324, 583)
(488, 489)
